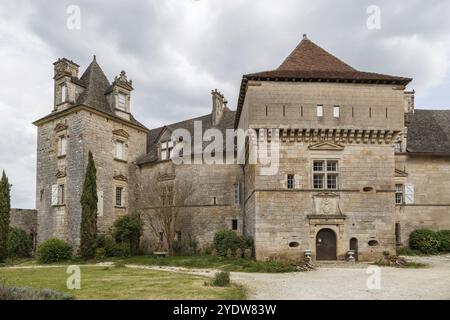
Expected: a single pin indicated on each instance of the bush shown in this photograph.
(107, 244)
(228, 239)
(121, 250)
(17, 293)
(20, 244)
(129, 229)
(54, 250)
(185, 247)
(444, 240)
(221, 279)
(425, 241)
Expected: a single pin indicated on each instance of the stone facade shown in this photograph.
(339, 167)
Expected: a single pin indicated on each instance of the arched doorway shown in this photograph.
(326, 245)
(354, 247)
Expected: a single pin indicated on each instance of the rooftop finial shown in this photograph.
(305, 36)
(95, 57)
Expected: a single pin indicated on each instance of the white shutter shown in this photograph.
(119, 149)
(409, 193)
(54, 195)
(63, 145)
(100, 203)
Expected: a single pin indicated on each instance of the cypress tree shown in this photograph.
(5, 207)
(88, 228)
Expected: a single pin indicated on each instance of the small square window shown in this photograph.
(234, 224)
(290, 181)
(319, 110)
(336, 111)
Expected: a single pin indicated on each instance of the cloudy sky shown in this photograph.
(176, 51)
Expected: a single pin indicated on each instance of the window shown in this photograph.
(61, 195)
(167, 150)
(119, 150)
(119, 197)
(121, 101)
(62, 146)
(234, 224)
(178, 235)
(63, 93)
(325, 174)
(290, 181)
(237, 195)
(398, 147)
(336, 111)
(319, 110)
(161, 236)
(398, 194)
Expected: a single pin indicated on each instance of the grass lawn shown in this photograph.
(121, 283)
(212, 262)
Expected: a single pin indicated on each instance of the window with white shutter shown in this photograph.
(121, 101)
(63, 93)
(54, 195)
(119, 150)
(409, 193)
(62, 146)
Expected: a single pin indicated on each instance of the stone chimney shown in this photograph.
(65, 67)
(218, 106)
(65, 72)
(409, 101)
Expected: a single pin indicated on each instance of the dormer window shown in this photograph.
(167, 150)
(121, 101)
(63, 93)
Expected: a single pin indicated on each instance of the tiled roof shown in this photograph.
(309, 62)
(226, 122)
(428, 131)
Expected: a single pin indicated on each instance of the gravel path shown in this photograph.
(344, 283)
(337, 281)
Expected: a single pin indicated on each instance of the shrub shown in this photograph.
(129, 229)
(228, 239)
(20, 244)
(107, 244)
(18, 293)
(426, 241)
(185, 247)
(221, 279)
(444, 240)
(100, 253)
(54, 250)
(121, 250)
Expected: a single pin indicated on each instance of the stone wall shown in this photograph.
(209, 208)
(430, 177)
(24, 219)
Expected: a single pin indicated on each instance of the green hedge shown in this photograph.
(20, 244)
(429, 241)
(54, 250)
(228, 239)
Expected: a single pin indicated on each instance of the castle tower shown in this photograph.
(87, 115)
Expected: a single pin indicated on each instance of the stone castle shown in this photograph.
(359, 166)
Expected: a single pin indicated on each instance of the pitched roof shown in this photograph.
(95, 84)
(226, 122)
(309, 62)
(428, 132)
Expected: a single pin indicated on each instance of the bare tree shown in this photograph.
(168, 197)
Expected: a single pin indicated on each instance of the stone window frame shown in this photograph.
(166, 147)
(125, 95)
(398, 146)
(399, 193)
(336, 111)
(59, 192)
(62, 142)
(63, 92)
(120, 136)
(237, 193)
(290, 181)
(235, 224)
(324, 172)
(123, 195)
(320, 110)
